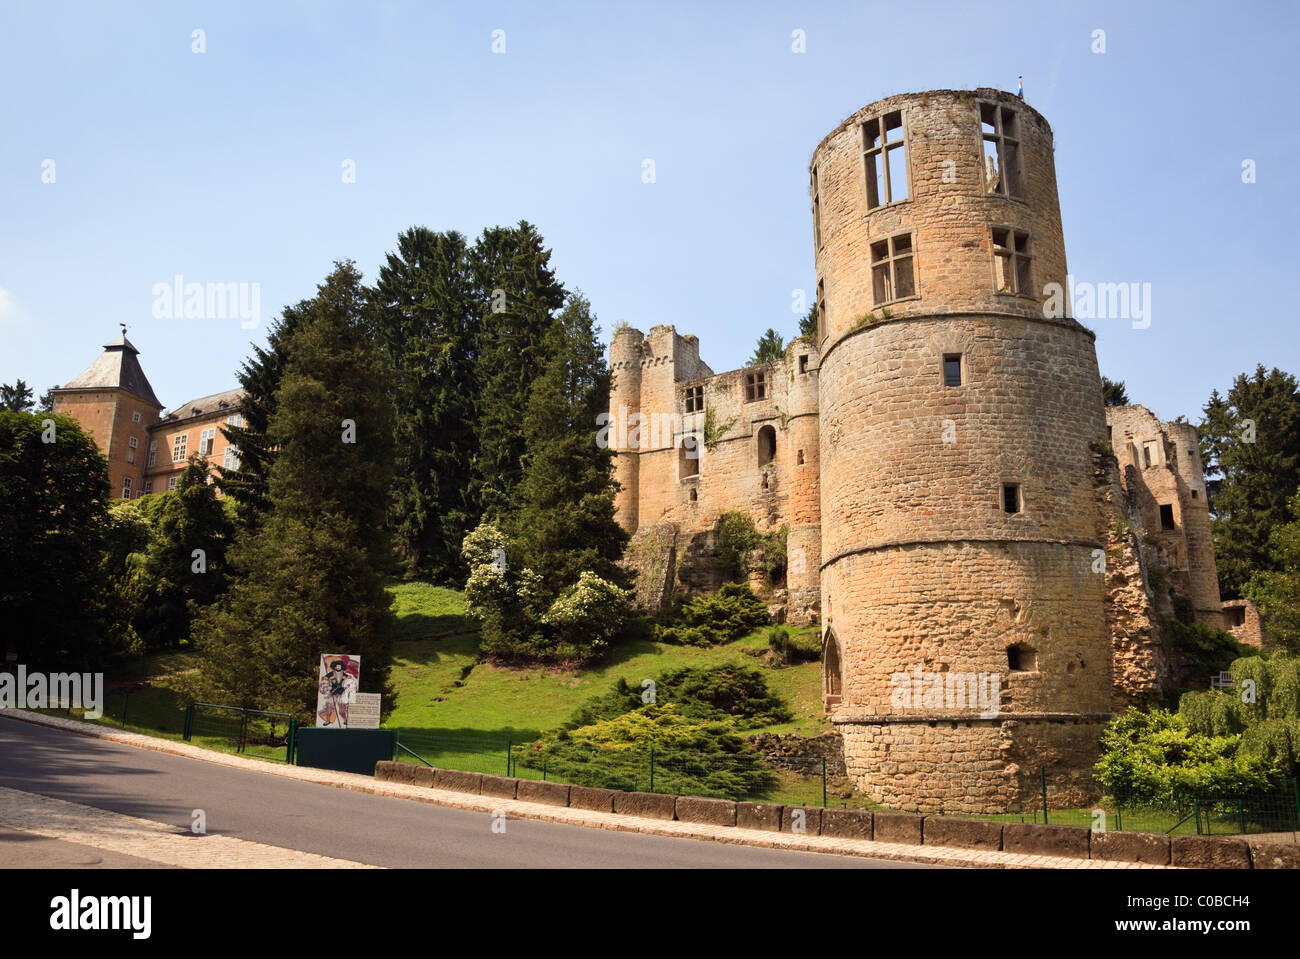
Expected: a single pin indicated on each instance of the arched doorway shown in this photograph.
(832, 671)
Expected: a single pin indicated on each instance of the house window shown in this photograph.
(1011, 498)
(817, 211)
(171, 482)
(178, 449)
(1150, 454)
(891, 268)
(1011, 262)
(694, 399)
(952, 369)
(135, 417)
(803, 363)
(236, 420)
(766, 445)
(1166, 516)
(1001, 149)
(148, 487)
(131, 444)
(689, 459)
(153, 452)
(207, 440)
(884, 150)
(755, 386)
(126, 487)
(231, 460)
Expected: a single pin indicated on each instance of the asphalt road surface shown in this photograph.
(377, 830)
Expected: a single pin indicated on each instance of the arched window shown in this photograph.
(766, 445)
(832, 676)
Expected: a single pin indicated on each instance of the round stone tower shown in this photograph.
(626, 355)
(961, 580)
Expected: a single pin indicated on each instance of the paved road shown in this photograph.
(377, 830)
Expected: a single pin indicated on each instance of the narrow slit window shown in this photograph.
(885, 159)
(1011, 498)
(817, 210)
(952, 369)
(690, 456)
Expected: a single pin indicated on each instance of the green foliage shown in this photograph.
(808, 324)
(1267, 716)
(260, 378)
(16, 398)
(56, 611)
(770, 347)
(562, 518)
(309, 580)
(692, 721)
(1113, 392)
(789, 648)
(1276, 591)
(518, 619)
(715, 431)
(1156, 759)
(1250, 444)
(1213, 650)
(427, 313)
(717, 618)
(737, 540)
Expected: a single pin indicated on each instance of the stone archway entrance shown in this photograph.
(832, 671)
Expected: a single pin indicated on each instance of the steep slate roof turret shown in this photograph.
(116, 368)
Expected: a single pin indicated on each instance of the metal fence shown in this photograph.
(253, 732)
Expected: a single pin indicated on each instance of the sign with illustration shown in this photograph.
(340, 675)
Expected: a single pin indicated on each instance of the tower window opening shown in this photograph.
(1150, 454)
(1001, 150)
(694, 396)
(755, 386)
(952, 369)
(689, 459)
(1011, 262)
(799, 459)
(693, 495)
(766, 446)
(803, 363)
(1022, 658)
(1166, 516)
(1011, 502)
(817, 211)
(1195, 495)
(821, 310)
(892, 276)
(884, 151)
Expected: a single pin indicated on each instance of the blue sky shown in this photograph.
(226, 166)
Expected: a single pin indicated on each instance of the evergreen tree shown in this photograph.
(771, 346)
(179, 582)
(808, 324)
(1113, 392)
(519, 296)
(1250, 445)
(564, 520)
(55, 490)
(16, 398)
(260, 377)
(425, 310)
(1277, 591)
(310, 579)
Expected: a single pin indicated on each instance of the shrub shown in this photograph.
(724, 616)
(788, 648)
(1210, 648)
(737, 540)
(738, 693)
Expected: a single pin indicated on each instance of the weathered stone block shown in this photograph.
(759, 815)
(590, 797)
(1209, 852)
(802, 820)
(962, 833)
(716, 812)
(503, 787)
(1274, 855)
(422, 776)
(535, 790)
(1130, 847)
(649, 805)
(896, 827)
(1038, 840)
(847, 823)
(457, 781)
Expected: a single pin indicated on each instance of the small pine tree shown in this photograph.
(770, 347)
